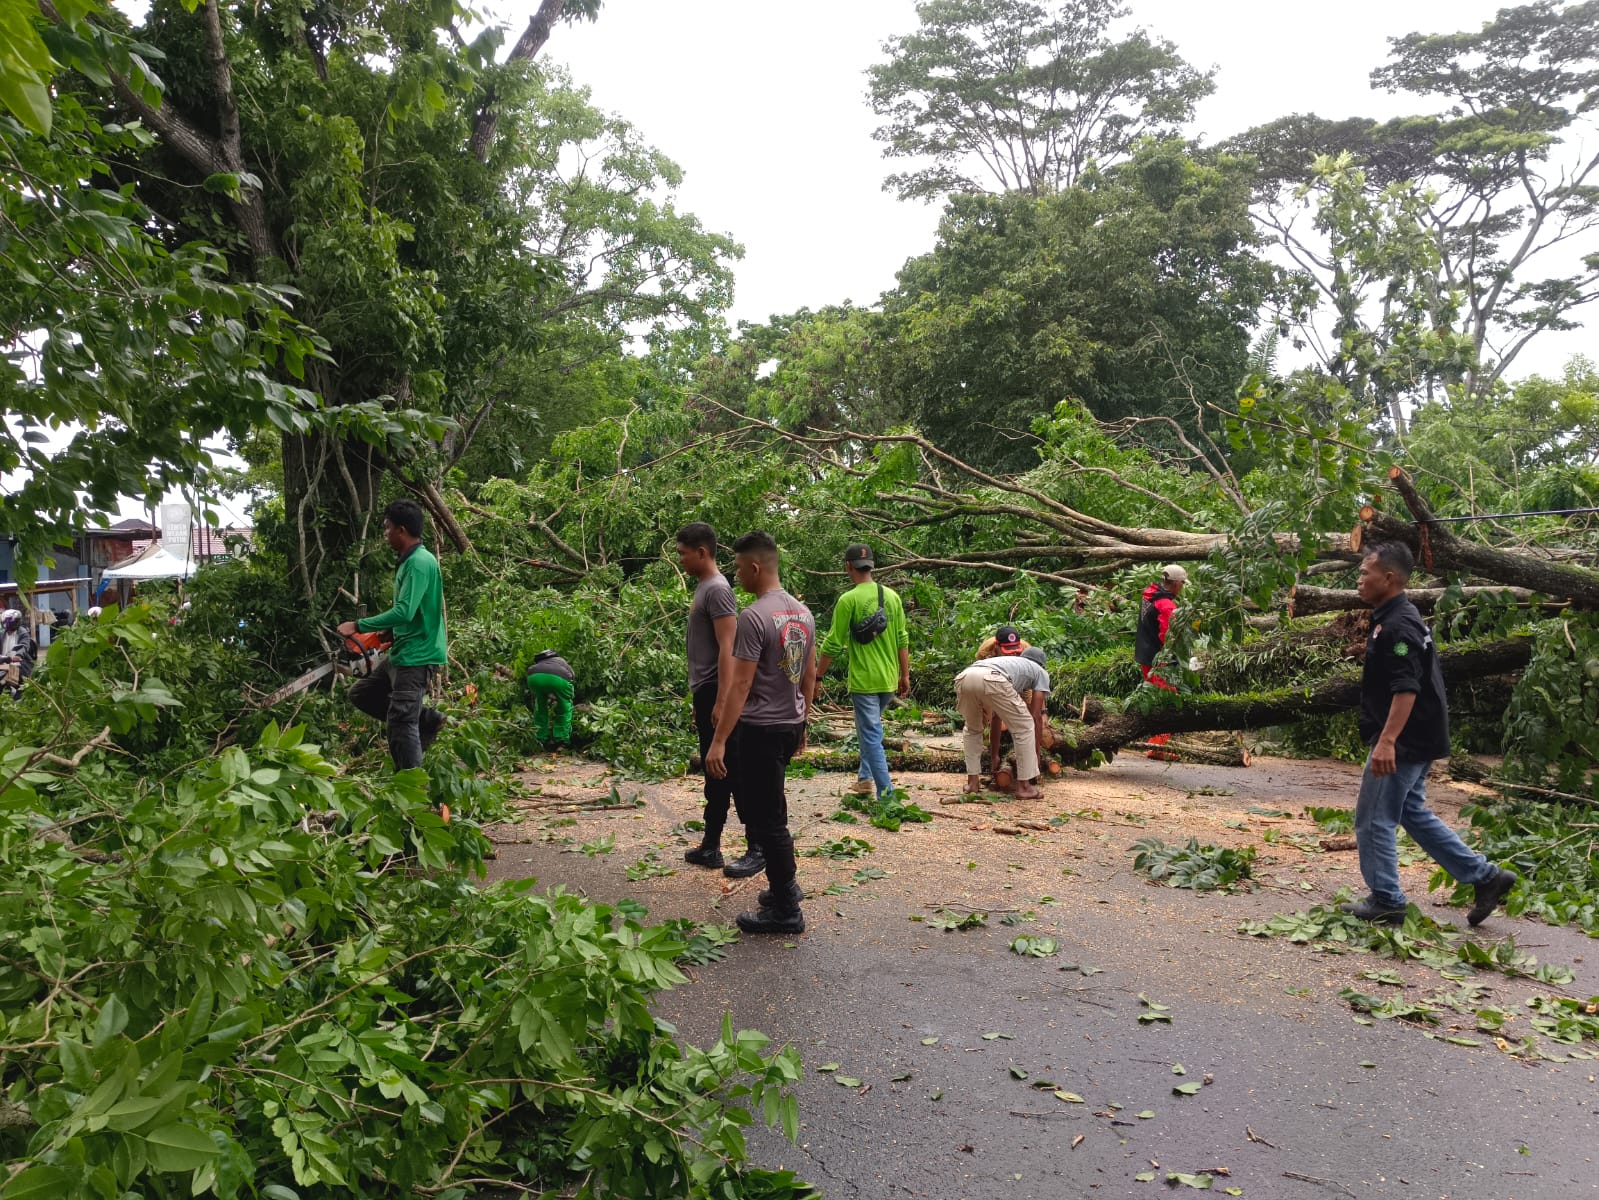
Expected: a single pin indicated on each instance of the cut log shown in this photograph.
(1468, 769)
(1338, 693)
(1342, 841)
(1306, 600)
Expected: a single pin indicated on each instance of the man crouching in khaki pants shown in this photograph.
(996, 684)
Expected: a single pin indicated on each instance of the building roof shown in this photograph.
(132, 527)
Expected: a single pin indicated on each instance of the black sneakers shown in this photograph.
(704, 855)
(1489, 895)
(1370, 910)
(753, 863)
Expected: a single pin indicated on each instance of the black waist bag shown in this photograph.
(867, 629)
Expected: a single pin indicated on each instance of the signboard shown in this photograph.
(176, 525)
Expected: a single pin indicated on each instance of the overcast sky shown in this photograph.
(764, 106)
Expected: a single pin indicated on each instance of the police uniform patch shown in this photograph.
(1401, 648)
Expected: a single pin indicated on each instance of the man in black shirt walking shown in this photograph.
(1404, 718)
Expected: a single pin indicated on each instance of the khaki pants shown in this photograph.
(979, 687)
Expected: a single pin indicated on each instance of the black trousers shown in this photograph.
(398, 695)
(759, 792)
(718, 792)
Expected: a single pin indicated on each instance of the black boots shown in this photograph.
(1489, 895)
(706, 854)
(1373, 910)
(753, 863)
(779, 911)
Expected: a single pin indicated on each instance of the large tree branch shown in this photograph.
(1305, 599)
(1439, 550)
(527, 47)
(192, 145)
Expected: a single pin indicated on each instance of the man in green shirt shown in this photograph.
(869, 631)
(397, 690)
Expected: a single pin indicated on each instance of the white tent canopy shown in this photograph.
(154, 563)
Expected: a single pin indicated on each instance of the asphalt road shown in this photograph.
(1302, 1102)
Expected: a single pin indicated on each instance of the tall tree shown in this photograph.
(1022, 96)
(805, 370)
(126, 350)
(1134, 291)
(1504, 180)
(404, 181)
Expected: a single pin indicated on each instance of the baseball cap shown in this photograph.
(1034, 654)
(858, 555)
(1174, 574)
(1008, 639)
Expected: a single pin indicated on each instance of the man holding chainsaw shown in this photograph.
(396, 690)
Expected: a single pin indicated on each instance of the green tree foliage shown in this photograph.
(1024, 97)
(127, 350)
(248, 972)
(1132, 291)
(1524, 448)
(628, 263)
(1499, 181)
(1395, 333)
(439, 279)
(806, 370)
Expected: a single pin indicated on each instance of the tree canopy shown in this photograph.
(1008, 95)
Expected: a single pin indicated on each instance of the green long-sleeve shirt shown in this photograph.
(873, 667)
(417, 615)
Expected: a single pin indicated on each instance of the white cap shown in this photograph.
(1174, 574)
(9, 616)
(94, 611)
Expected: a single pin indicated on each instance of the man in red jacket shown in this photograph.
(1154, 619)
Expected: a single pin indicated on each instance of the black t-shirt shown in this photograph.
(1401, 657)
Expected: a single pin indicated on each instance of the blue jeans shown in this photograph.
(1389, 802)
(869, 708)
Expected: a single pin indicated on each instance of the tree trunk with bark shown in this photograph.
(1336, 694)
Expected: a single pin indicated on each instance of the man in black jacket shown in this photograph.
(1404, 718)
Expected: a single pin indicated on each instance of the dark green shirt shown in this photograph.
(416, 617)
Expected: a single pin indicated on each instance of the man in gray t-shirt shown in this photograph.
(711, 619)
(778, 634)
(769, 691)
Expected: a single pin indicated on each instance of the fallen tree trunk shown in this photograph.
(912, 758)
(1306, 600)
(1190, 752)
(1439, 550)
(1339, 693)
